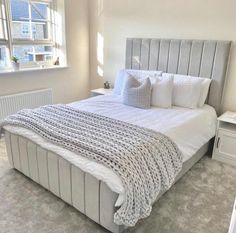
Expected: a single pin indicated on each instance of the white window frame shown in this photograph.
(4, 42)
(9, 42)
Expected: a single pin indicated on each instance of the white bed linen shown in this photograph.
(188, 128)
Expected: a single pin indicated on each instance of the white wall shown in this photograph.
(68, 84)
(192, 19)
(96, 26)
(115, 21)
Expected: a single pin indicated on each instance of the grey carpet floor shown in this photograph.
(201, 202)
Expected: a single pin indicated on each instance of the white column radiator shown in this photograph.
(12, 103)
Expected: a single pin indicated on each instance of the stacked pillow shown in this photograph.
(138, 74)
(189, 91)
(142, 89)
(162, 89)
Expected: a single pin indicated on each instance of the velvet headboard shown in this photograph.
(208, 59)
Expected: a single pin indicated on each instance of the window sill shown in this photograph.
(23, 70)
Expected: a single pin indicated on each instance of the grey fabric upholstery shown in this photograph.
(137, 94)
(90, 196)
(208, 59)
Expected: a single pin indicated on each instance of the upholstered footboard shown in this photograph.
(83, 191)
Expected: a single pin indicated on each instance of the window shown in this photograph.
(28, 31)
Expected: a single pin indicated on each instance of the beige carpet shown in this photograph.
(201, 202)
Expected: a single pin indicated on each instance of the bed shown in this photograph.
(92, 188)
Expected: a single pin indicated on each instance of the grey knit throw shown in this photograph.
(146, 161)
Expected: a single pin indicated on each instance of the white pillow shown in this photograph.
(204, 91)
(162, 89)
(140, 75)
(186, 91)
(143, 74)
(205, 85)
(120, 81)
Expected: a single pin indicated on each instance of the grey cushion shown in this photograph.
(138, 74)
(137, 94)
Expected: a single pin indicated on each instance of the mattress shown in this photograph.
(190, 129)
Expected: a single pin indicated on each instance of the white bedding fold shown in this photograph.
(189, 129)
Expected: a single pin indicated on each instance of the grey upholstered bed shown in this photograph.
(83, 191)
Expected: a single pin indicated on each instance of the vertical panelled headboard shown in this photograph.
(208, 59)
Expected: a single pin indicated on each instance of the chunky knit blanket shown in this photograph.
(146, 161)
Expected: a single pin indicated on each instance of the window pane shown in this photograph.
(40, 31)
(30, 20)
(21, 30)
(1, 30)
(19, 10)
(40, 21)
(38, 53)
(3, 57)
(3, 33)
(20, 19)
(39, 11)
(21, 52)
(43, 53)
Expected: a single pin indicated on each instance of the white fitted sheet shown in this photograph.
(190, 129)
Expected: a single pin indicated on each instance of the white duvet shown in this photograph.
(188, 128)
